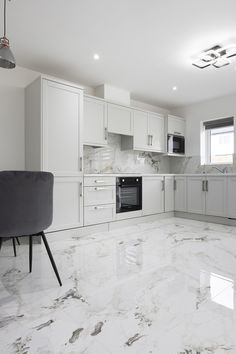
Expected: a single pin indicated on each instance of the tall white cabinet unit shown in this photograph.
(53, 136)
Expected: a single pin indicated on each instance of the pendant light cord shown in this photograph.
(5, 5)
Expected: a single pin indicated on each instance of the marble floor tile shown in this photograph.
(166, 287)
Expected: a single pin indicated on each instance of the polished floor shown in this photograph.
(165, 287)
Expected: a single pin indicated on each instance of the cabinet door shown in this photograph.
(99, 214)
(95, 122)
(141, 140)
(153, 195)
(62, 111)
(67, 203)
(176, 125)
(169, 194)
(99, 195)
(231, 197)
(120, 119)
(216, 196)
(156, 132)
(196, 195)
(180, 194)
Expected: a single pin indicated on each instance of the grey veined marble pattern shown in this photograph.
(166, 287)
(112, 159)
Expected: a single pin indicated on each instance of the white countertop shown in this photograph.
(158, 174)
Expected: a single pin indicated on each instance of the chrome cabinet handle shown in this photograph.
(148, 140)
(163, 185)
(175, 185)
(81, 163)
(203, 186)
(206, 186)
(99, 188)
(97, 181)
(81, 189)
(99, 207)
(151, 139)
(106, 134)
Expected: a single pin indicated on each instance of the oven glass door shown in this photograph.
(129, 198)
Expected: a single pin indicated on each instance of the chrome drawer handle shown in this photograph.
(99, 207)
(97, 181)
(99, 188)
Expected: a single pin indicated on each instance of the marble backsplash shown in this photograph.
(192, 164)
(111, 159)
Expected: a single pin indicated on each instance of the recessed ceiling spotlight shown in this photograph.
(174, 88)
(96, 56)
(216, 56)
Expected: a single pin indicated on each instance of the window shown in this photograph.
(219, 141)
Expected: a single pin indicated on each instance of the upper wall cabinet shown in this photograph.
(148, 131)
(175, 125)
(53, 127)
(120, 119)
(95, 122)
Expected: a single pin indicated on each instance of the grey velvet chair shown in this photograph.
(26, 208)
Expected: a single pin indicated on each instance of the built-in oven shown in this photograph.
(176, 144)
(128, 194)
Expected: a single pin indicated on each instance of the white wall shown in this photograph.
(195, 113)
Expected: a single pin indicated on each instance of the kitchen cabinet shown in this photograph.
(216, 187)
(169, 193)
(175, 125)
(53, 127)
(99, 214)
(67, 203)
(120, 119)
(53, 142)
(153, 195)
(99, 195)
(231, 197)
(196, 198)
(180, 193)
(95, 122)
(148, 132)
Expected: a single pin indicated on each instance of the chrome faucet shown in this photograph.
(224, 170)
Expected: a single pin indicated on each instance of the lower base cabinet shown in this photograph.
(67, 203)
(180, 193)
(196, 199)
(99, 214)
(153, 195)
(216, 196)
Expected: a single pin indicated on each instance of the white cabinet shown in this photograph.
(53, 141)
(175, 125)
(148, 131)
(99, 195)
(156, 131)
(120, 119)
(169, 193)
(196, 198)
(67, 203)
(53, 127)
(99, 214)
(216, 188)
(153, 195)
(99, 199)
(95, 122)
(231, 197)
(141, 138)
(180, 193)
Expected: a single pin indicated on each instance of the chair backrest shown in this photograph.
(26, 202)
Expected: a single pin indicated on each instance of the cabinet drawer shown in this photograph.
(99, 181)
(99, 195)
(99, 214)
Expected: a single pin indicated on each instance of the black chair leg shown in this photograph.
(51, 257)
(18, 241)
(14, 245)
(30, 252)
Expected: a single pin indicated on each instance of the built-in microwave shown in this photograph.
(175, 144)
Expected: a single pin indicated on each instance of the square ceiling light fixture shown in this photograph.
(216, 56)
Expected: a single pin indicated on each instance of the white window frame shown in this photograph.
(205, 149)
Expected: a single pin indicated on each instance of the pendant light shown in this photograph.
(7, 59)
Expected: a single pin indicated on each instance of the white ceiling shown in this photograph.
(146, 46)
